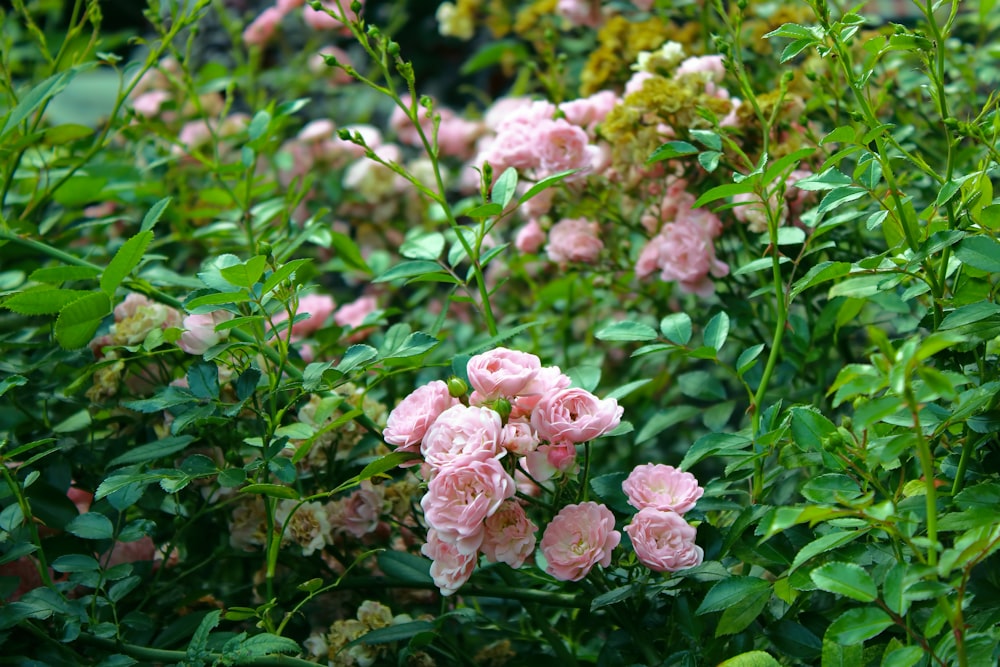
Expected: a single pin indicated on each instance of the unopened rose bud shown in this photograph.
(457, 387)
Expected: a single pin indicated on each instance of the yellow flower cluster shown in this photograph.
(619, 43)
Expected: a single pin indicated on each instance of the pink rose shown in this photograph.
(662, 487)
(663, 541)
(547, 460)
(262, 29)
(460, 430)
(580, 12)
(317, 306)
(518, 437)
(462, 495)
(530, 237)
(200, 333)
(547, 381)
(560, 145)
(408, 422)
(450, 568)
(575, 415)
(579, 537)
(574, 240)
(509, 536)
(354, 313)
(683, 252)
(501, 372)
(363, 509)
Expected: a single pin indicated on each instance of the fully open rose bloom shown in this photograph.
(462, 430)
(574, 415)
(578, 538)
(501, 372)
(462, 495)
(509, 536)
(408, 422)
(450, 568)
(662, 487)
(664, 541)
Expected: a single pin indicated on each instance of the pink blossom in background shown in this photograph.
(502, 372)
(575, 415)
(509, 536)
(531, 237)
(457, 136)
(306, 525)
(450, 568)
(580, 12)
(409, 421)
(462, 495)
(578, 538)
(559, 145)
(261, 30)
(354, 313)
(711, 67)
(664, 541)
(199, 331)
(193, 135)
(335, 75)
(285, 6)
(589, 111)
(319, 307)
(148, 104)
(317, 130)
(462, 431)
(682, 252)
(362, 510)
(574, 240)
(538, 205)
(662, 487)
(321, 20)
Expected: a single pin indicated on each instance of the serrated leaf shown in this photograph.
(203, 379)
(415, 344)
(56, 275)
(154, 214)
(845, 579)
(125, 260)
(408, 270)
(981, 252)
(91, 526)
(42, 300)
(78, 321)
(626, 331)
(671, 150)
(857, 625)
(751, 659)
(284, 272)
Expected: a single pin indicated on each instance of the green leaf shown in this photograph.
(905, 656)
(284, 272)
(810, 428)
(245, 274)
(743, 612)
(56, 275)
(154, 214)
(981, 252)
(820, 273)
(664, 420)
(839, 135)
(822, 545)
(35, 98)
(840, 196)
(504, 188)
(831, 488)
(78, 321)
(614, 596)
(608, 488)
(969, 314)
(830, 179)
(721, 191)
(670, 150)
(729, 592)
(12, 381)
(836, 655)
(199, 641)
(408, 270)
(426, 246)
(91, 526)
(217, 299)
(415, 344)
(845, 579)
(483, 211)
(751, 659)
(348, 252)
(272, 490)
(626, 331)
(392, 633)
(708, 138)
(42, 300)
(67, 133)
(203, 379)
(717, 331)
(75, 563)
(857, 625)
(384, 464)
(709, 160)
(153, 450)
(546, 183)
(795, 48)
(405, 567)
(125, 260)
(259, 125)
(677, 328)
(748, 358)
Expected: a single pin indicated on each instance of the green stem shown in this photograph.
(927, 469)
(173, 657)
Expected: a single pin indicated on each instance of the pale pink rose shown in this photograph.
(662, 487)
(509, 536)
(317, 130)
(354, 313)
(663, 541)
(501, 372)
(457, 136)
(261, 30)
(321, 20)
(148, 104)
(711, 67)
(589, 111)
(82, 499)
(560, 145)
(683, 252)
(531, 237)
(462, 495)
(635, 84)
(462, 431)
(574, 240)
(285, 6)
(362, 510)
(307, 525)
(575, 415)
(199, 331)
(409, 421)
(317, 306)
(450, 568)
(518, 437)
(192, 135)
(536, 207)
(579, 537)
(547, 381)
(580, 12)
(545, 461)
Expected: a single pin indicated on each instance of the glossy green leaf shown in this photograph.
(91, 526)
(626, 331)
(751, 659)
(42, 300)
(408, 270)
(677, 328)
(857, 625)
(504, 188)
(845, 579)
(717, 331)
(671, 150)
(729, 592)
(245, 274)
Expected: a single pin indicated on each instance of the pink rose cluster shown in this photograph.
(262, 29)
(520, 414)
(662, 539)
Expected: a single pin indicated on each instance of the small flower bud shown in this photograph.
(356, 7)
(392, 48)
(502, 407)
(457, 386)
